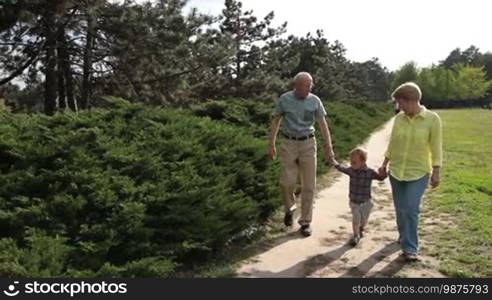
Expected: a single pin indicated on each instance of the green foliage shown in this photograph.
(408, 72)
(471, 82)
(43, 256)
(458, 83)
(470, 57)
(245, 113)
(127, 188)
(437, 84)
(335, 77)
(3, 106)
(160, 52)
(245, 33)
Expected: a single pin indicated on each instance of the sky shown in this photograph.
(394, 31)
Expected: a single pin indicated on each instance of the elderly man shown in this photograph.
(298, 110)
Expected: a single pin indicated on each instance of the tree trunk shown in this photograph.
(50, 64)
(66, 71)
(86, 80)
(61, 82)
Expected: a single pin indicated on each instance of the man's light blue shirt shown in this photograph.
(299, 115)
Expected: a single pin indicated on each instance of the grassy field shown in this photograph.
(462, 205)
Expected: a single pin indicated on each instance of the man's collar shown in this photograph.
(297, 98)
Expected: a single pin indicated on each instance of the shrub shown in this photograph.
(130, 187)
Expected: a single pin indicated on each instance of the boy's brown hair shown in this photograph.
(360, 152)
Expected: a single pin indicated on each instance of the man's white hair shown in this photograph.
(302, 75)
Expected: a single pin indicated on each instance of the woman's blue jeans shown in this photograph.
(407, 196)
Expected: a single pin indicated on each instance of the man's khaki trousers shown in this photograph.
(298, 158)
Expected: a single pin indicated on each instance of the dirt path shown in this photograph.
(326, 253)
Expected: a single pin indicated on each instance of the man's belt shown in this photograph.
(302, 138)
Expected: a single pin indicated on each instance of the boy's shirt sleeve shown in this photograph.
(344, 169)
(376, 175)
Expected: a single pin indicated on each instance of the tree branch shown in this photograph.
(23, 67)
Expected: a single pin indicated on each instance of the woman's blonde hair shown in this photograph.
(407, 91)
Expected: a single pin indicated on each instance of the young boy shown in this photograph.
(360, 190)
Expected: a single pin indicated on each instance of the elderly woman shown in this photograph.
(414, 155)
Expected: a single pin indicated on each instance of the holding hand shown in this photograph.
(383, 171)
(330, 157)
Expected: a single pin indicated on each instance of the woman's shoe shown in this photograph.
(411, 257)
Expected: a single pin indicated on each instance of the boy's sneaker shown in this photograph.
(288, 218)
(354, 240)
(306, 230)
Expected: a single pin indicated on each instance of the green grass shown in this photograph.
(464, 199)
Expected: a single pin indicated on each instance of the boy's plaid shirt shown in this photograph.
(360, 182)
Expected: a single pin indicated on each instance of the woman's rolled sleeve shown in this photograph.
(391, 143)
